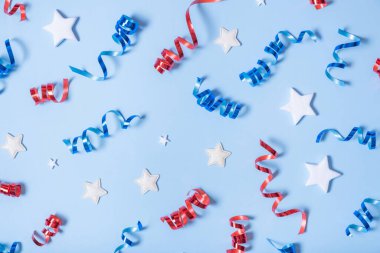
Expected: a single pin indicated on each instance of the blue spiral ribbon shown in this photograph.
(127, 242)
(364, 216)
(124, 27)
(258, 74)
(3, 248)
(288, 248)
(5, 69)
(207, 99)
(102, 133)
(370, 137)
(340, 63)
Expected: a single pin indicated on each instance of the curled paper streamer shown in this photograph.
(47, 93)
(180, 218)
(376, 66)
(319, 4)
(208, 100)
(288, 248)
(239, 236)
(3, 248)
(364, 216)
(277, 195)
(127, 242)
(12, 190)
(5, 69)
(340, 63)
(52, 227)
(167, 62)
(125, 27)
(101, 132)
(370, 137)
(257, 75)
(7, 5)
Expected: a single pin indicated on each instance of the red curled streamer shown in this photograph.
(180, 218)
(376, 67)
(239, 236)
(12, 190)
(167, 62)
(47, 93)
(52, 227)
(13, 10)
(319, 4)
(277, 195)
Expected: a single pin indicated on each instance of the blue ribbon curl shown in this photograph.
(5, 69)
(288, 248)
(127, 242)
(3, 248)
(364, 216)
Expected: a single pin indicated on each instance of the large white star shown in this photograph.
(14, 144)
(299, 105)
(321, 174)
(61, 28)
(217, 155)
(94, 191)
(227, 39)
(147, 182)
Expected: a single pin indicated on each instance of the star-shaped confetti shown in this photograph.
(321, 174)
(217, 155)
(14, 144)
(53, 163)
(228, 39)
(94, 191)
(299, 106)
(147, 182)
(164, 139)
(61, 28)
(260, 2)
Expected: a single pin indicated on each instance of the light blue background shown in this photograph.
(170, 108)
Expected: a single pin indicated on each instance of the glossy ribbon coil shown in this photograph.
(239, 236)
(364, 216)
(258, 74)
(47, 93)
(277, 195)
(5, 69)
(167, 62)
(127, 242)
(100, 132)
(288, 248)
(7, 5)
(12, 190)
(52, 225)
(3, 248)
(207, 99)
(340, 63)
(376, 67)
(370, 137)
(319, 4)
(124, 27)
(180, 218)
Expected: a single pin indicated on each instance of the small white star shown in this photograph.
(61, 28)
(217, 155)
(94, 191)
(228, 39)
(164, 139)
(260, 2)
(321, 174)
(14, 144)
(52, 163)
(147, 182)
(299, 106)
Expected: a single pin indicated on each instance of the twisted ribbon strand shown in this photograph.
(376, 67)
(288, 248)
(364, 216)
(5, 69)
(319, 4)
(52, 227)
(3, 248)
(127, 242)
(12, 190)
(47, 93)
(7, 5)
(239, 236)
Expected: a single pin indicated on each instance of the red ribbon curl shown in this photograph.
(376, 67)
(7, 4)
(239, 236)
(52, 227)
(319, 4)
(47, 93)
(13, 190)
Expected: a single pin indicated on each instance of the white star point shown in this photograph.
(164, 140)
(217, 155)
(14, 145)
(61, 28)
(53, 163)
(299, 106)
(147, 182)
(228, 39)
(260, 2)
(94, 191)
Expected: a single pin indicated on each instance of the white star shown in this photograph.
(147, 182)
(299, 105)
(14, 144)
(260, 2)
(94, 191)
(61, 28)
(164, 140)
(52, 163)
(228, 39)
(217, 155)
(321, 174)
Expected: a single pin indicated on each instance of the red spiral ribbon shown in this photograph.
(12, 190)
(7, 5)
(167, 62)
(180, 218)
(277, 195)
(319, 4)
(52, 227)
(47, 93)
(239, 236)
(376, 67)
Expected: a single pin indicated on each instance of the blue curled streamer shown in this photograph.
(102, 133)
(340, 62)
(3, 248)
(127, 242)
(5, 69)
(364, 216)
(258, 74)
(124, 26)
(288, 248)
(208, 100)
(370, 137)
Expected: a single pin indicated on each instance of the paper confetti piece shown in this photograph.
(47, 93)
(7, 5)
(364, 216)
(127, 242)
(239, 236)
(52, 227)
